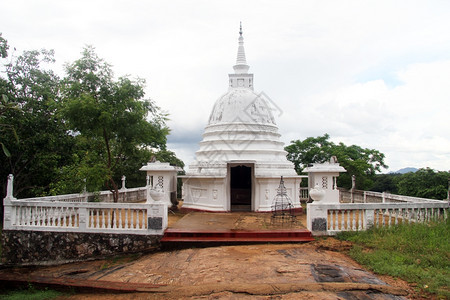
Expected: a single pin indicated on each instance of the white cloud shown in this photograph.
(370, 73)
(409, 123)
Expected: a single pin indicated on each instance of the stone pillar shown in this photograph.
(369, 218)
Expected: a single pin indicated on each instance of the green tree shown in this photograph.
(3, 47)
(385, 183)
(115, 127)
(364, 163)
(37, 141)
(310, 150)
(5, 103)
(170, 157)
(425, 183)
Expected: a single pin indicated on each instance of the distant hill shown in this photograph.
(404, 170)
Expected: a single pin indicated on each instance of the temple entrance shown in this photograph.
(241, 188)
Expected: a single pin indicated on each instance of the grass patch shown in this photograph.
(417, 253)
(31, 293)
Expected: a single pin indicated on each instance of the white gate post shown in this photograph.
(317, 218)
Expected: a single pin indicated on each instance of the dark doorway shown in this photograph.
(241, 188)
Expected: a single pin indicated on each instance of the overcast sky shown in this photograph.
(371, 73)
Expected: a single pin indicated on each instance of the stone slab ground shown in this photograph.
(270, 271)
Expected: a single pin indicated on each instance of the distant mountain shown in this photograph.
(404, 170)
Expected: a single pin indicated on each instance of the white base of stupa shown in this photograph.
(209, 193)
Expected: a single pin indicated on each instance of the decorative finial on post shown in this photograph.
(123, 182)
(353, 187)
(353, 182)
(10, 187)
(84, 186)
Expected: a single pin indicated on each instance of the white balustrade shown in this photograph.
(84, 216)
(125, 195)
(304, 194)
(328, 219)
(359, 196)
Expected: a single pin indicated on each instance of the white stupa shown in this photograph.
(241, 158)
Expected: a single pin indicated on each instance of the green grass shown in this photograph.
(417, 253)
(31, 293)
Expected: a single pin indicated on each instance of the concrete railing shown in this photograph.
(358, 196)
(304, 194)
(131, 218)
(330, 218)
(72, 213)
(131, 195)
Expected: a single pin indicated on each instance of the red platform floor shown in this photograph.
(236, 227)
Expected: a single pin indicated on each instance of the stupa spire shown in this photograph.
(241, 66)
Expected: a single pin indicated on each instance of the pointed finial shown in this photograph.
(241, 66)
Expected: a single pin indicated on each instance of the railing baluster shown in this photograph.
(88, 218)
(96, 218)
(336, 220)
(49, 217)
(27, 216)
(145, 217)
(132, 219)
(101, 218)
(114, 216)
(109, 214)
(21, 215)
(126, 211)
(138, 219)
(64, 215)
(353, 220)
(360, 217)
(120, 218)
(349, 226)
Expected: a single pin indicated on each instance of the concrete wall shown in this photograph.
(22, 247)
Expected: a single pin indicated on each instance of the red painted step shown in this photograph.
(183, 235)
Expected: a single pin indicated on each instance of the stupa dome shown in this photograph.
(241, 105)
